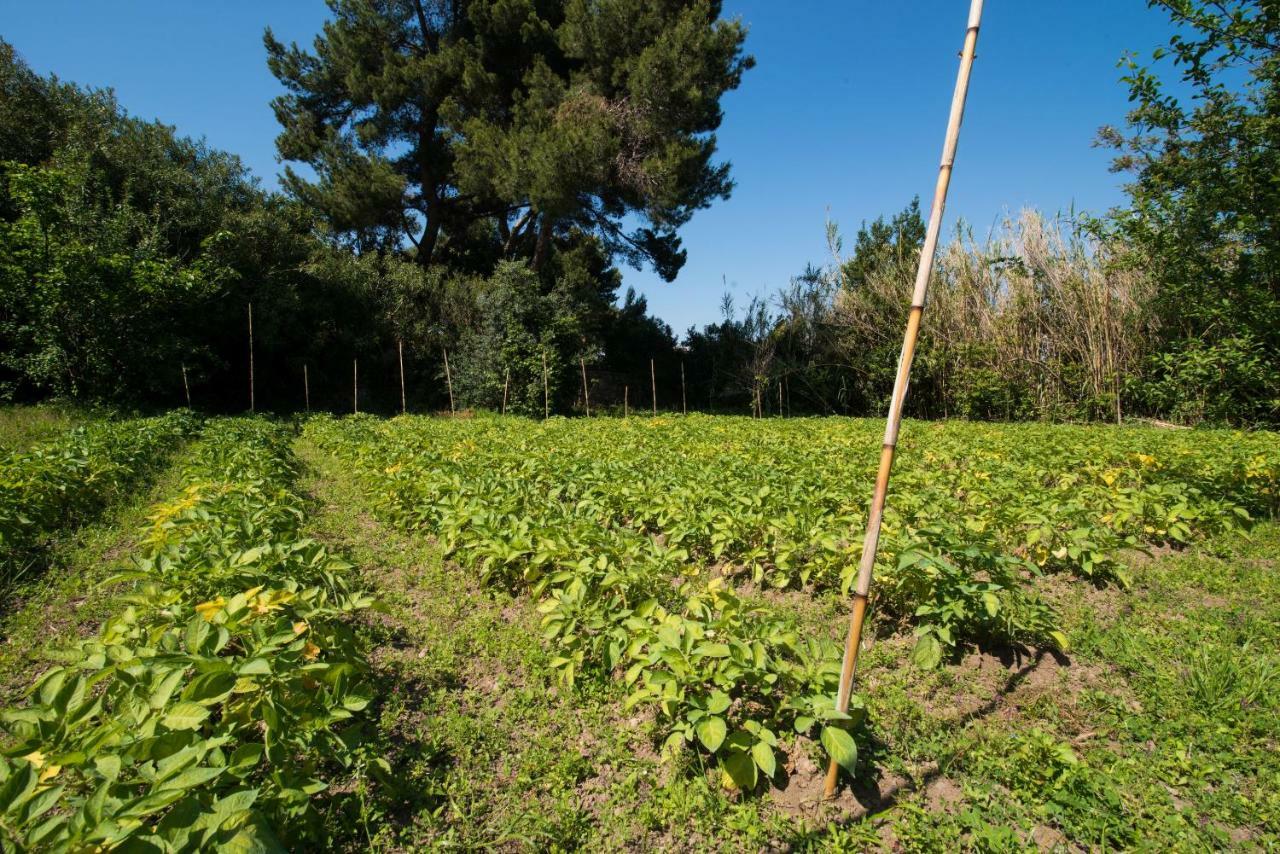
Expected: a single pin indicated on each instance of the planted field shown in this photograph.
(207, 709)
(65, 481)
(605, 633)
(651, 546)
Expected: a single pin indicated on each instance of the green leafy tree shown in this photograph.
(479, 130)
(1205, 205)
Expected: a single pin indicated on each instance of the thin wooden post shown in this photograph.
(252, 401)
(448, 378)
(862, 587)
(653, 386)
(546, 388)
(355, 385)
(306, 387)
(779, 398)
(586, 398)
(684, 403)
(400, 353)
(186, 388)
(506, 385)
(711, 388)
(626, 404)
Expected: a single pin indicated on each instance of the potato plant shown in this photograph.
(212, 708)
(69, 480)
(636, 536)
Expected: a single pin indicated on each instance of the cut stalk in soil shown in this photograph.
(872, 537)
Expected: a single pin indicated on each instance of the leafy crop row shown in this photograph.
(69, 480)
(723, 673)
(212, 707)
(633, 534)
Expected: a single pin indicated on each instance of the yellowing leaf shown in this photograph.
(210, 609)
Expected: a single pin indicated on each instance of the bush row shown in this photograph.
(216, 703)
(69, 480)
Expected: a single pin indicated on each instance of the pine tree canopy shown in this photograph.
(471, 131)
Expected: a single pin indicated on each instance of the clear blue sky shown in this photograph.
(844, 111)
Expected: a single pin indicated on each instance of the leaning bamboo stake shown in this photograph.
(400, 353)
(546, 388)
(448, 378)
(306, 387)
(871, 539)
(506, 386)
(586, 398)
(626, 404)
(653, 386)
(355, 386)
(252, 402)
(186, 388)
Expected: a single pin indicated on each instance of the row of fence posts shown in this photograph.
(757, 408)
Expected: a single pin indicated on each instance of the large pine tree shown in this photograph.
(478, 130)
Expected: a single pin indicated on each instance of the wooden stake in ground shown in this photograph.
(626, 406)
(306, 387)
(400, 353)
(872, 537)
(586, 398)
(186, 388)
(448, 378)
(252, 402)
(355, 385)
(546, 388)
(684, 403)
(779, 398)
(653, 386)
(506, 386)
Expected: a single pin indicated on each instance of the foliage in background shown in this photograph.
(475, 165)
(1203, 154)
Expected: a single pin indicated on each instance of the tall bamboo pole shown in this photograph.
(400, 354)
(871, 539)
(586, 398)
(653, 386)
(684, 403)
(448, 378)
(186, 388)
(252, 402)
(546, 388)
(306, 387)
(626, 404)
(355, 385)
(506, 386)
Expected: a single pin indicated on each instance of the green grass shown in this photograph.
(21, 426)
(1158, 728)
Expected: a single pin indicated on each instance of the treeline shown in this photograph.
(129, 255)
(478, 175)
